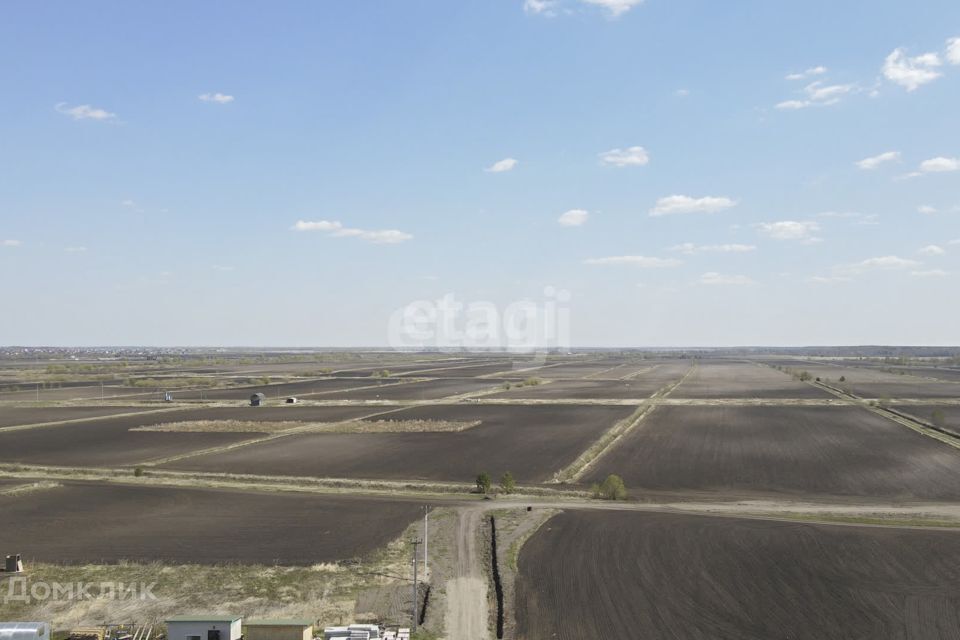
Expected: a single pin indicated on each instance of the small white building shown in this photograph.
(24, 631)
(204, 628)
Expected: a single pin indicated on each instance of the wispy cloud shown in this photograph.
(10, 243)
(714, 278)
(222, 268)
(926, 209)
(929, 273)
(819, 94)
(791, 230)
(672, 205)
(812, 71)
(911, 72)
(645, 262)
(540, 7)
(573, 218)
(76, 249)
(879, 263)
(337, 230)
(953, 51)
(507, 164)
(84, 112)
(219, 98)
(932, 250)
(940, 165)
(629, 157)
(689, 248)
(868, 164)
(615, 8)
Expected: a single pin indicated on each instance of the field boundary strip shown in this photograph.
(253, 441)
(609, 439)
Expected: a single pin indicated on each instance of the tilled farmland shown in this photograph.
(529, 441)
(636, 575)
(86, 523)
(841, 451)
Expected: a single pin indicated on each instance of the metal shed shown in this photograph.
(278, 629)
(204, 628)
(257, 399)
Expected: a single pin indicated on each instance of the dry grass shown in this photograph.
(353, 426)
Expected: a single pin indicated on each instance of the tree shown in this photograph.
(843, 378)
(610, 489)
(507, 484)
(483, 482)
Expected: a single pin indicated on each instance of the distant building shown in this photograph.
(24, 631)
(278, 629)
(292, 401)
(204, 628)
(257, 399)
(13, 564)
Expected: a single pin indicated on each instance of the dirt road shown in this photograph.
(466, 615)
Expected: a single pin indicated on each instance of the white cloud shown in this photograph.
(84, 112)
(714, 278)
(629, 157)
(337, 230)
(940, 165)
(926, 209)
(957, 241)
(690, 248)
(10, 243)
(873, 162)
(672, 205)
(929, 273)
(219, 98)
(222, 268)
(812, 71)
(682, 93)
(645, 262)
(573, 217)
(500, 166)
(615, 8)
(76, 249)
(911, 73)
(932, 250)
(953, 50)
(537, 7)
(883, 262)
(819, 95)
(790, 230)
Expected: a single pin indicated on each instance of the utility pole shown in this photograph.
(38, 392)
(426, 538)
(416, 542)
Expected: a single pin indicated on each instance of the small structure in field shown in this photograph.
(292, 400)
(204, 628)
(13, 565)
(278, 629)
(365, 631)
(24, 631)
(257, 399)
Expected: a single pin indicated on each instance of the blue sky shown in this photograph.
(156, 159)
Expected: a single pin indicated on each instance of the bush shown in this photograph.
(611, 489)
(138, 472)
(483, 482)
(507, 484)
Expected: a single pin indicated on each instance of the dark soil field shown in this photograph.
(909, 388)
(76, 393)
(427, 390)
(719, 379)
(950, 413)
(460, 371)
(842, 451)
(652, 379)
(280, 391)
(79, 523)
(12, 416)
(678, 577)
(577, 370)
(109, 442)
(531, 442)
